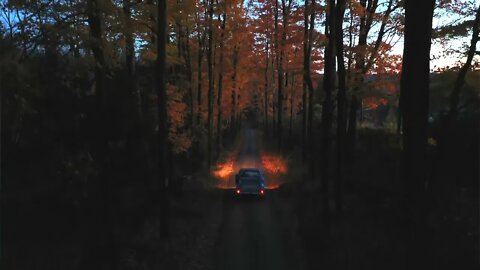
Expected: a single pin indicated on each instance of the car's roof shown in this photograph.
(250, 169)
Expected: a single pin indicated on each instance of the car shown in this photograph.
(250, 181)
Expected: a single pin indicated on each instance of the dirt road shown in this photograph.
(254, 233)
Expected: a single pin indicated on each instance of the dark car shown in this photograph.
(250, 181)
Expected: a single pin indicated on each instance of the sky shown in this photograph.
(438, 59)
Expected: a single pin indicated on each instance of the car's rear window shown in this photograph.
(250, 181)
(250, 173)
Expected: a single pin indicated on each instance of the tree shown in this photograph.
(162, 115)
(341, 102)
(415, 103)
(220, 75)
(201, 36)
(211, 84)
(100, 229)
(286, 9)
(234, 93)
(447, 149)
(366, 55)
(130, 57)
(277, 129)
(459, 82)
(328, 88)
(266, 87)
(307, 114)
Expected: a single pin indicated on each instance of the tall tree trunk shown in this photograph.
(414, 91)
(279, 60)
(359, 76)
(399, 120)
(381, 32)
(308, 108)
(286, 4)
(306, 73)
(153, 21)
(210, 84)
(163, 148)
(201, 36)
(220, 78)
(443, 185)
(265, 93)
(234, 92)
(460, 81)
(98, 212)
(341, 103)
(292, 101)
(274, 104)
(201, 41)
(130, 58)
(328, 88)
(188, 62)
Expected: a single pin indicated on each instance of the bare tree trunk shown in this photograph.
(234, 92)
(308, 108)
(274, 104)
(153, 20)
(306, 63)
(399, 120)
(415, 103)
(265, 93)
(98, 214)
(279, 60)
(210, 84)
(460, 81)
(220, 79)
(201, 41)
(355, 103)
(199, 84)
(292, 101)
(328, 88)
(381, 32)
(188, 62)
(341, 103)
(163, 148)
(441, 183)
(130, 58)
(286, 4)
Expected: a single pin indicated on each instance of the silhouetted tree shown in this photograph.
(415, 103)
(100, 227)
(223, 20)
(328, 88)
(341, 102)
(162, 115)
(460, 81)
(307, 99)
(211, 84)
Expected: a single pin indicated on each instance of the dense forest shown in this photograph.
(111, 110)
